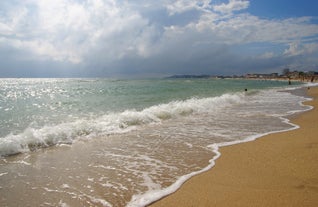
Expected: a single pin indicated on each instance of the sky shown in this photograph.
(143, 38)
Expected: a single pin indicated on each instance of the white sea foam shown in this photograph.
(66, 133)
(62, 204)
(151, 196)
(2, 174)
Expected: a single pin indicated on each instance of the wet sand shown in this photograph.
(279, 169)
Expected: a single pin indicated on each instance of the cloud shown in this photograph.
(119, 36)
(267, 55)
(70, 30)
(231, 6)
(5, 29)
(181, 6)
(246, 28)
(297, 48)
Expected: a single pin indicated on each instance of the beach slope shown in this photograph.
(279, 169)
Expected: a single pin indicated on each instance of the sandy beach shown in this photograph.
(279, 169)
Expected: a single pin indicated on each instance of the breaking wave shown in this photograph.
(112, 123)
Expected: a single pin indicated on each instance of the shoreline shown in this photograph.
(253, 174)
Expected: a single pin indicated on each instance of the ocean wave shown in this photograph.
(113, 123)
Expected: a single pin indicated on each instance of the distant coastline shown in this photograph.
(188, 76)
(300, 76)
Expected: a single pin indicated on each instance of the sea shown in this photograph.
(118, 142)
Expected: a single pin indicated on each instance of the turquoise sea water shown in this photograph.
(35, 103)
(125, 142)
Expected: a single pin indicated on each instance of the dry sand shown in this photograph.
(276, 170)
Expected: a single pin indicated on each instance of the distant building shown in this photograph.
(294, 74)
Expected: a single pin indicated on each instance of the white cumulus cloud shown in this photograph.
(297, 48)
(67, 30)
(180, 6)
(142, 34)
(232, 5)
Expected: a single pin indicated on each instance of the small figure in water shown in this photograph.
(245, 89)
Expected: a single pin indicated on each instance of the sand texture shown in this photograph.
(280, 169)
